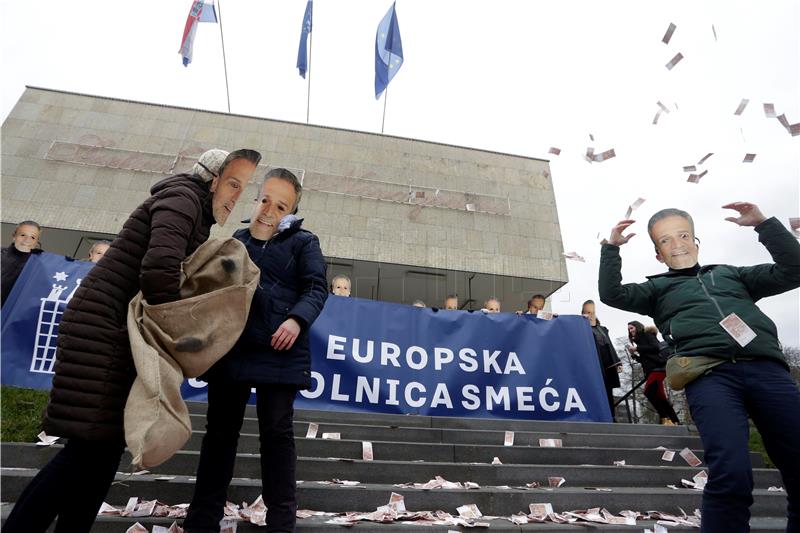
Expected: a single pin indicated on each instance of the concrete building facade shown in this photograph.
(404, 218)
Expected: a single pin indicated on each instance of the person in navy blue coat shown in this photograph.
(273, 355)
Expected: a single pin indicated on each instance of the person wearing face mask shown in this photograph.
(273, 355)
(726, 352)
(94, 368)
(25, 241)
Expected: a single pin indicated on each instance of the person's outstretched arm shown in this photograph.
(772, 278)
(635, 297)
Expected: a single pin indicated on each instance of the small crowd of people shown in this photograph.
(341, 285)
(722, 349)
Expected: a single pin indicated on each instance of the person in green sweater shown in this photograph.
(725, 352)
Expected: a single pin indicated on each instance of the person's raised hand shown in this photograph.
(617, 238)
(749, 214)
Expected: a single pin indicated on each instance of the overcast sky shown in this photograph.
(515, 77)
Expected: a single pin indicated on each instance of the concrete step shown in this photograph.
(496, 424)
(119, 525)
(390, 472)
(473, 436)
(465, 453)
(367, 497)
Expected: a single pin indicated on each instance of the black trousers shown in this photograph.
(610, 398)
(226, 408)
(71, 486)
(654, 391)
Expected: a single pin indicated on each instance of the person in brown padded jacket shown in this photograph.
(94, 368)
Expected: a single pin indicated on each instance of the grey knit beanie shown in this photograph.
(207, 167)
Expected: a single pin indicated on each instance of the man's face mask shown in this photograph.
(675, 243)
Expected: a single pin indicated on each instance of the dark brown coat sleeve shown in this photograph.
(172, 223)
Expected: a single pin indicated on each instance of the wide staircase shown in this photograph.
(416, 449)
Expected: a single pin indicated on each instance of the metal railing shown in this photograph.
(625, 398)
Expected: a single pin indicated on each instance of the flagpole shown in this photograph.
(385, 98)
(224, 61)
(308, 96)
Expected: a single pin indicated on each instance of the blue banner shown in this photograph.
(370, 356)
(30, 318)
(391, 358)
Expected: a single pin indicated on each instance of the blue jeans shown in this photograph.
(720, 402)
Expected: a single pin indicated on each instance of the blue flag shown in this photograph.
(388, 51)
(209, 12)
(302, 51)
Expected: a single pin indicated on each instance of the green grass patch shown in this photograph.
(757, 445)
(21, 413)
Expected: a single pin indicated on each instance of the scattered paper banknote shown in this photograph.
(742, 105)
(690, 457)
(608, 154)
(705, 157)
(674, 61)
(574, 256)
(633, 207)
(313, 428)
(366, 451)
(655, 118)
(794, 223)
(550, 443)
(469, 511)
(46, 440)
(668, 34)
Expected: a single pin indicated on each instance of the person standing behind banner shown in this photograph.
(491, 305)
(536, 304)
(25, 241)
(94, 367)
(609, 360)
(273, 355)
(340, 285)
(97, 251)
(645, 349)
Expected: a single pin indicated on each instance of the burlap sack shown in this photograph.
(183, 339)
